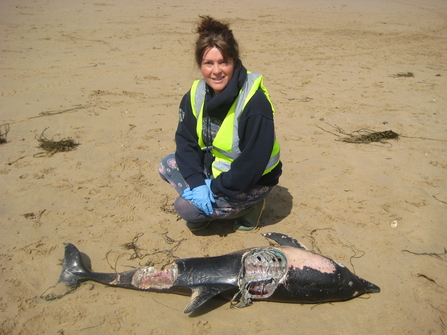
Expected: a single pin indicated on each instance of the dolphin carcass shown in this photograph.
(285, 273)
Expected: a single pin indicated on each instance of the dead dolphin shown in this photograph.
(284, 273)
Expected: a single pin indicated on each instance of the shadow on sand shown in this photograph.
(279, 205)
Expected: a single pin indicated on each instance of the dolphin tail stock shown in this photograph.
(74, 272)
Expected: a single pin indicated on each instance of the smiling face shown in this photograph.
(216, 71)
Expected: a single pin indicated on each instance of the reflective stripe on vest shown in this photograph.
(225, 147)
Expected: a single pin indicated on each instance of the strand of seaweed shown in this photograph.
(50, 146)
(49, 113)
(354, 250)
(168, 206)
(362, 135)
(403, 74)
(431, 254)
(313, 241)
(4, 130)
(426, 277)
(366, 136)
(444, 202)
(168, 254)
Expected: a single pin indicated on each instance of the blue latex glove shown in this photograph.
(202, 197)
(187, 194)
(208, 183)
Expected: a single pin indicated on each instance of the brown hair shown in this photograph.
(213, 33)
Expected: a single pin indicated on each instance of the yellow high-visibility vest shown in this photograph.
(225, 147)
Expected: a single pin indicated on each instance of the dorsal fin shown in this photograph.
(284, 240)
(201, 294)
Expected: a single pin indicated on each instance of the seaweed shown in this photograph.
(428, 278)
(364, 135)
(51, 146)
(133, 246)
(4, 130)
(444, 202)
(368, 136)
(168, 206)
(168, 253)
(404, 74)
(49, 113)
(441, 256)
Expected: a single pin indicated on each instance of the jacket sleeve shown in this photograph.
(188, 155)
(257, 137)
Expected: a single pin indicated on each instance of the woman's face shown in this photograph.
(216, 71)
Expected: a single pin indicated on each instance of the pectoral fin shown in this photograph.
(201, 294)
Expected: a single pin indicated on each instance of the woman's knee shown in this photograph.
(166, 164)
(188, 211)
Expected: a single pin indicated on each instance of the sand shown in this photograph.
(110, 76)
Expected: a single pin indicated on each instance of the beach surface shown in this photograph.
(110, 76)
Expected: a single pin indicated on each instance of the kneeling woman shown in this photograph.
(227, 157)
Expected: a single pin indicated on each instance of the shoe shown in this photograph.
(250, 220)
(193, 226)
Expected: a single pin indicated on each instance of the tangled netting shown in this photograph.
(261, 272)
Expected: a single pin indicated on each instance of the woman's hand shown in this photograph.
(201, 196)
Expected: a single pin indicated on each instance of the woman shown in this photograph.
(227, 157)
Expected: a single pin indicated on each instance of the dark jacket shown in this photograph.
(256, 133)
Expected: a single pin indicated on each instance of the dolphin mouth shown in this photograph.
(263, 269)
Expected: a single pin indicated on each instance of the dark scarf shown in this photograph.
(217, 107)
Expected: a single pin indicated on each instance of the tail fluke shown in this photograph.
(73, 267)
(73, 273)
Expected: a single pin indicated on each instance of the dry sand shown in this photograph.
(111, 74)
